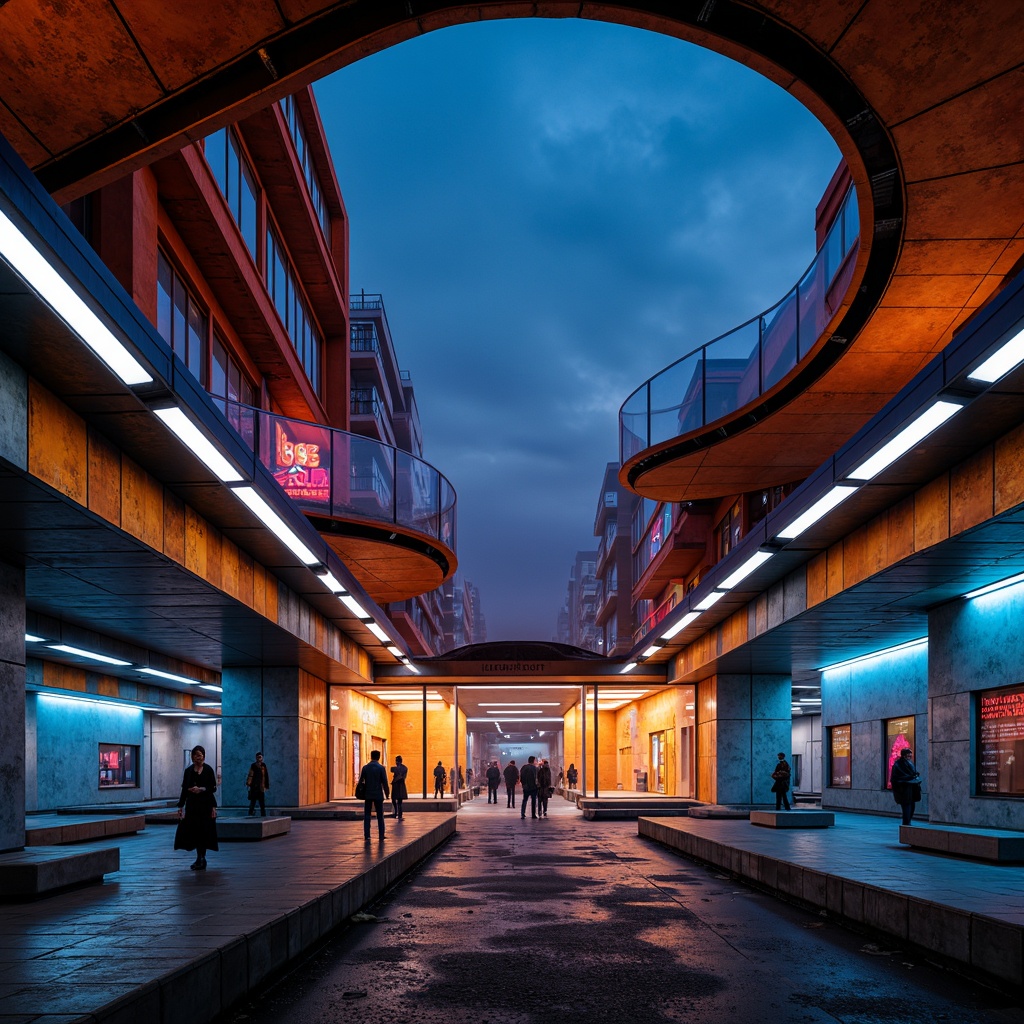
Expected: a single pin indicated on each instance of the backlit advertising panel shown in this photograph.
(1001, 741)
(839, 756)
(899, 734)
(302, 461)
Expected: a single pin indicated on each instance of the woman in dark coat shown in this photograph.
(399, 790)
(197, 823)
(906, 783)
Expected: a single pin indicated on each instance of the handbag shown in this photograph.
(361, 789)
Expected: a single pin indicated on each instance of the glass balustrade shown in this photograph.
(721, 377)
(335, 473)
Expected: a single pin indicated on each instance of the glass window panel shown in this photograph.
(164, 291)
(179, 317)
(219, 369)
(196, 361)
(215, 148)
(231, 192)
(247, 210)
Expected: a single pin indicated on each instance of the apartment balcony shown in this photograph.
(388, 515)
(675, 429)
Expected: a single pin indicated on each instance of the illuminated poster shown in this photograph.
(839, 760)
(899, 734)
(302, 460)
(1001, 741)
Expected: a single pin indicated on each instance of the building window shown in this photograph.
(118, 766)
(181, 322)
(364, 338)
(729, 531)
(760, 503)
(290, 109)
(283, 287)
(236, 180)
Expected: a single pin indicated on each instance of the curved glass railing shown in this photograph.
(726, 374)
(332, 472)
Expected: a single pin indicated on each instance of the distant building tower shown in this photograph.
(614, 569)
(581, 603)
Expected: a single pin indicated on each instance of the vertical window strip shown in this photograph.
(236, 181)
(180, 320)
(298, 134)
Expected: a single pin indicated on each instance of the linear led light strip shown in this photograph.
(273, 522)
(913, 433)
(197, 442)
(1001, 362)
(40, 275)
(919, 642)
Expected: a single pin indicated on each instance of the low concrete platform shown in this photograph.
(630, 806)
(59, 829)
(793, 819)
(963, 912)
(30, 873)
(719, 811)
(977, 843)
(251, 829)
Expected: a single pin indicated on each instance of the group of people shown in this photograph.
(453, 776)
(535, 779)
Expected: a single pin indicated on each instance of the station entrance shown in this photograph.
(497, 703)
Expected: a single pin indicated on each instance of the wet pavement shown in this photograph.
(561, 919)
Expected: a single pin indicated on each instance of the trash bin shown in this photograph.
(641, 782)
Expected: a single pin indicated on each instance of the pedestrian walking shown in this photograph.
(528, 780)
(780, 786)
(439, 776)
(372, 788)
(906, 783)
(197, 810)
(493, 779)
(511, 778)
(258, 782)
(543, 788)
(399, 790)
(572, 776)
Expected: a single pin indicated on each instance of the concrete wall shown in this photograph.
(743, 721)
(12, 707)
(862, 696)
(806, 744)
(974, 645)
(163, 756)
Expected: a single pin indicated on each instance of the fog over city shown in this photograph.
(554, 211)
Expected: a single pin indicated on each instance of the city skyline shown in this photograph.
(566, 206)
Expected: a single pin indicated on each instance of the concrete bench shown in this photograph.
(719, 811)
(981, 844)
(792, 819)
(50, 830)
(252, 829)
(29, 873)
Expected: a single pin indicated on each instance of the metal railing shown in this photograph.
(335, 473)
(726, 374)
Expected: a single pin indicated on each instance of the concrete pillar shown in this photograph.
(12, 707)
(283, 712)
(743, 721)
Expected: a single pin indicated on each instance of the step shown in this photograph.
(793, 819)
(45, 870)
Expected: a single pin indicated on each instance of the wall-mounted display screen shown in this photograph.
(1000, 747)
(839, 756)
(118, 766)
(899, 734)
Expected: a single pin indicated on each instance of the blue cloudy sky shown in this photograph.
(554, 211)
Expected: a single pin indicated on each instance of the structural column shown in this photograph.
(12, 707)
(283, 713)
(743, 721)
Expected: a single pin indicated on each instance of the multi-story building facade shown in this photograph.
(614, 565)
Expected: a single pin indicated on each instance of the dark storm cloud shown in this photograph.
(554, 211)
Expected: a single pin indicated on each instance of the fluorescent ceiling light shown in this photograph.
(628, 667)
(330, 581)
(504, 713)
(1010, 581)
(54, 290)
(378, 632)
(353, 606)
(914, 432)
(211, 686)
(206, 703)
(652, 650)
(757, 559)
(713, 598)
(491, 721)
(30, 639)
(169, 675)
(809, 700)
(176, 714)
(392, 649)
(613, 694)
(65, 649)
(198, 443)
(818, 510)
(1002, 361)
(273, 522)
(531, 686)
(511, 704)
(411, 667)
(919, 642)
(680, 625)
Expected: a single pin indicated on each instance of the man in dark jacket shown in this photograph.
(780, 783)
(493, 779)
(528, 778)
(511, 778)
(375, 779)
(906, 783)
(258, 781)
(439, 776)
